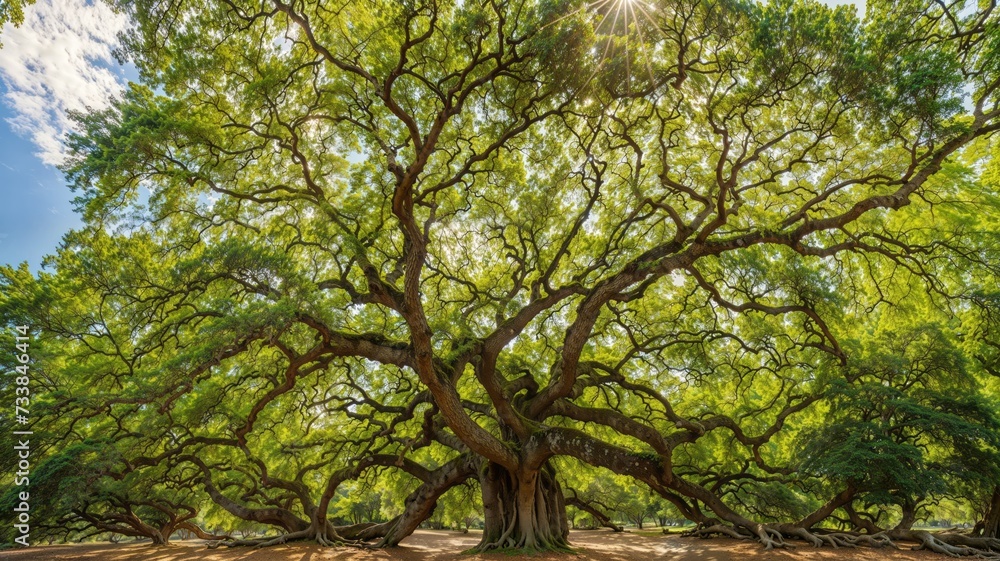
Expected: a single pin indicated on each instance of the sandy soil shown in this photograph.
(597, 545)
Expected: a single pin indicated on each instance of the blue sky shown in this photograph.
(35, 209)
(60, 59)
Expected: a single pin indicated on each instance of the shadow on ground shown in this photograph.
(596, 545)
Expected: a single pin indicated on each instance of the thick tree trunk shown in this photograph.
(861, 523)
(989, 526)
(523, 510)
(909, 516)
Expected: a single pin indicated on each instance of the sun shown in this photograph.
(625, 19)
(626, 25)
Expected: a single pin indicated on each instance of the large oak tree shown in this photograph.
(443, 242)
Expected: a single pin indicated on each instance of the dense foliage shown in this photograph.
(345, 262)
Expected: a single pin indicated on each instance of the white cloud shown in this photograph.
(60, 59)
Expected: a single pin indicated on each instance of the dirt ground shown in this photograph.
(596, 545)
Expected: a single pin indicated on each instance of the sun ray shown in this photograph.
(642, 40)
(641, 6)
(616, 19)
(590, 6)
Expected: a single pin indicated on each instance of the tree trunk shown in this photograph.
(989, 527)
(165, 532)
(861, 523)
(523, 510)
(909, 515)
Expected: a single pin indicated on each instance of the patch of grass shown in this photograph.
(646, 533)
(652, 533)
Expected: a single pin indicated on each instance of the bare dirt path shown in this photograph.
(597, 545)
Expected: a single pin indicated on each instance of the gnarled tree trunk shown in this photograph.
(523, 509)
(909, 515)
(989, 526)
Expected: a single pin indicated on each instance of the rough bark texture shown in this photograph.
(989, 527)
(909, 515)
(523, 510)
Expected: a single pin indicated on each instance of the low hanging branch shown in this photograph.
(593, 508)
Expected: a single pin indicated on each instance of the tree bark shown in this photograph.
(523, 509)
(282, 518)
(989, 527)
(420, 503)
(909, 517)
(861, 523)
(822, 513)
(202, 534)
(125, 524)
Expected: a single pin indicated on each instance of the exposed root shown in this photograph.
(707, 531)
(841, 539)
(937, 544)
(955, 538)
(324, 538)
(504, 541)
(264, 542)
(820, 538)
(522, 546)
(880, 539)
(837, 540)
(525, 512)
(534, 543)
(951, 543)
(815, 540)
(771, 538)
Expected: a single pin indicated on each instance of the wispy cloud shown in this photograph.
(59, 60)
